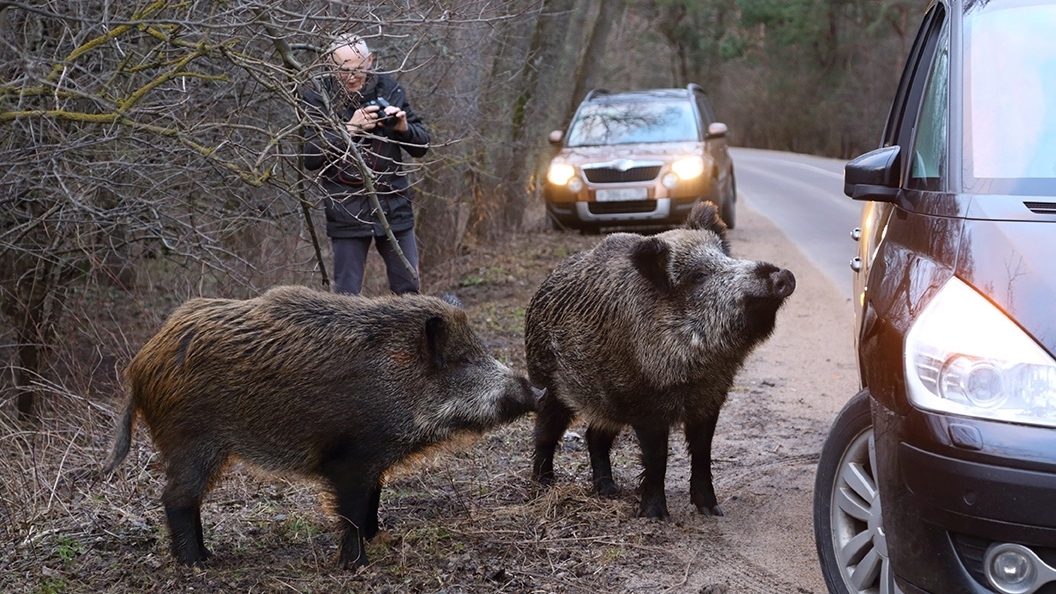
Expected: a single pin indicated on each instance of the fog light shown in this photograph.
(670, 180)
(1012, 571)
(575, 185)
(1015, 569)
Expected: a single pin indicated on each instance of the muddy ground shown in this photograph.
(467, 519)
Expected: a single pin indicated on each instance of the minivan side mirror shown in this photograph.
(555, 136)
(717, 130)
(876, 175)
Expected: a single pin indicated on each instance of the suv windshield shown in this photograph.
(1010, 120)
(633, 122)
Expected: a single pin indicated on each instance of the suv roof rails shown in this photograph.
(695, 87)
(594, 92)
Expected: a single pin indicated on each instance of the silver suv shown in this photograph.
(639, 158)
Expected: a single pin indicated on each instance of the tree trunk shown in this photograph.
(589, 66)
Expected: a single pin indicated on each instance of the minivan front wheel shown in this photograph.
(848, 528)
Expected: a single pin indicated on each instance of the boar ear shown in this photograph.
(436, 340)
(650, 258)
(705, 215)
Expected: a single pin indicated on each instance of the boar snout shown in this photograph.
(784, 282)
(538, 395)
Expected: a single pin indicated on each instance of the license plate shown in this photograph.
(621, 194)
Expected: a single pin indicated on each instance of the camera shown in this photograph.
(382, 104)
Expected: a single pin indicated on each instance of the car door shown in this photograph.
(890, 247)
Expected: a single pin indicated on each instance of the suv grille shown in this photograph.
(611, 175)
(625, 207)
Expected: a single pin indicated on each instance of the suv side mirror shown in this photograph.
(717, 130)
(876, 175)
(555, 136)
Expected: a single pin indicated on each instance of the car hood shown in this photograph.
(639, 152)
(1012, 263)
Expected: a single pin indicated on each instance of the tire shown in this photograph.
(848, 532)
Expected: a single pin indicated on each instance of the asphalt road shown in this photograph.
(803, 196)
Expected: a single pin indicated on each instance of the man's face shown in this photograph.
(351, 67)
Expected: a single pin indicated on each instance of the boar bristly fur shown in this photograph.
(647, 331)
(297, 381)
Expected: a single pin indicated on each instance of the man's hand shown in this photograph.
(369, 117)
(396, 119)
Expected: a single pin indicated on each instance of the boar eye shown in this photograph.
(698, 276)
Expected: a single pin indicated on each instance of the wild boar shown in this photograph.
(297, 381)
(647, 331)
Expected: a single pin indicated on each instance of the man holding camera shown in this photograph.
(378, 118)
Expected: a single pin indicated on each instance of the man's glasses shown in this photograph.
(352, 71)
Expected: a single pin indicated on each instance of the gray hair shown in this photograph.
(352, 40)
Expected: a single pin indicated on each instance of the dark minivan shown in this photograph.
(939, 477)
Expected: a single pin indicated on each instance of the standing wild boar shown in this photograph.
(298, 381)
(647, 332)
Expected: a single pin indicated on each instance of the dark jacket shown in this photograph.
(348, 209)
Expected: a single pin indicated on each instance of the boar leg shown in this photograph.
(185, 527)
(356, 496)
(371, 529)
(701, 488)
(599, 443)
(653, 441)
(353, 501)
(551, 421)
(188, 480)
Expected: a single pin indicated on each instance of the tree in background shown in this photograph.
(811, 76)
(814, 76)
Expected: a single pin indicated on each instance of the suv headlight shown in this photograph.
(560, 173)
(688, 167)
(964, 356)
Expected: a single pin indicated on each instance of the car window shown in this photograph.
(1010, 99)
(633, 122)
(898, 129)
(927, 170)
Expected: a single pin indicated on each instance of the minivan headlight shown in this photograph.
(966, 357)
(559, 173)
(688, 167)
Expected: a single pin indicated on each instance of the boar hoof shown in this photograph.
(346, 562)
(713, 510)
(194, 560)
(654, 511)
(606, 487)
(546, 479)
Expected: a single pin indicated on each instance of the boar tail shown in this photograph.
(123, 439)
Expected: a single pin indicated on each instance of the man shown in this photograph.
(381, 124)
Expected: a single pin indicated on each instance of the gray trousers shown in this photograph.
(350, 258)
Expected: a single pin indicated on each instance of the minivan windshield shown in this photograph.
(1010, 99)
(633, 122)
